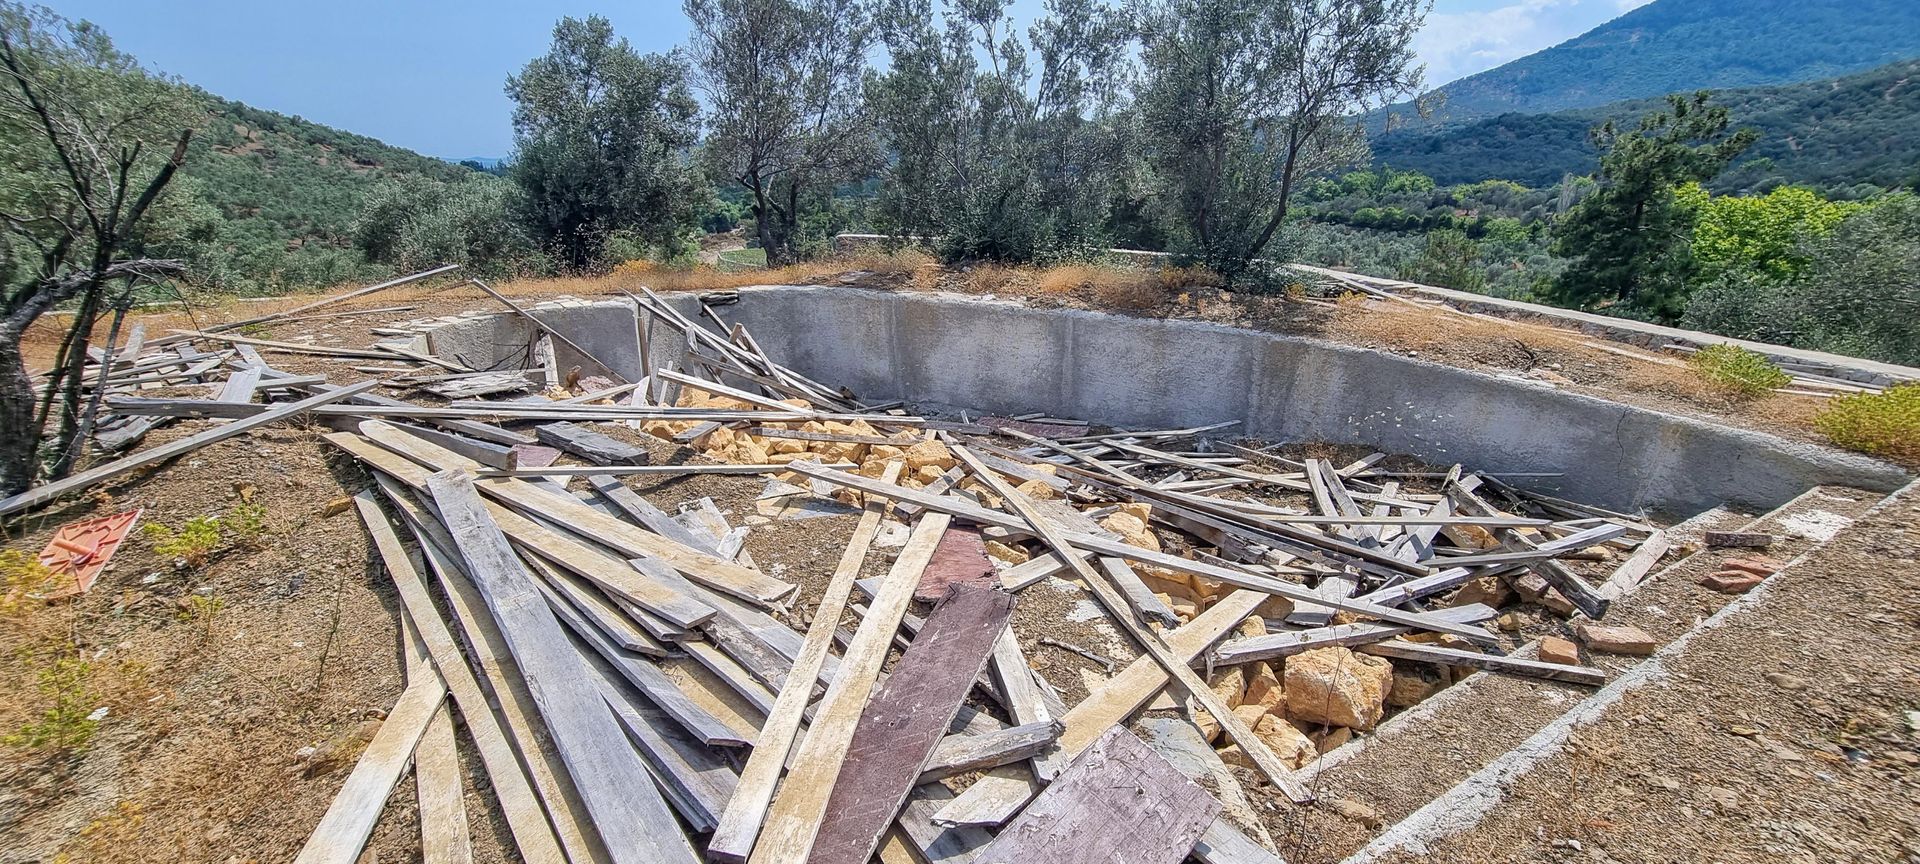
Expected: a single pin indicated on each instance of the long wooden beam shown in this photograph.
(48, 492)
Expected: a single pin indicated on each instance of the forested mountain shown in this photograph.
(1669, 46)
(1833, 134)
(288, 190)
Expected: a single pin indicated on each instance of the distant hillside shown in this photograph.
(1833, 133)
(1670, 46)
(289, 191)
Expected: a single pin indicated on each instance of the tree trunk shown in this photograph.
(21, 441)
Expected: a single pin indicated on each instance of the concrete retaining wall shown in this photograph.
(1003, 357)
(606, 329)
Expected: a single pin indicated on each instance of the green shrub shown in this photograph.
(69, 723)
(1738, 371)
(246, 524)
(1884, 424)
(191, 543)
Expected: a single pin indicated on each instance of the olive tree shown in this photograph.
(786, 121)
(89, 141)
(997, 156)
(1243, 98)
(601, 137)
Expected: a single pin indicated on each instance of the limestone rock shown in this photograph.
(1132, 530)
(1621, 639)
(1534, 589)
(1414, 685)
(1554, 649)
(930, 453)
(1337, 687)
(1009, 554)
(1035, 489)
(1330, 738)
(1294, 748)
(1228, 684)
(1253, 626)
(1489, 590)
(1264, 688)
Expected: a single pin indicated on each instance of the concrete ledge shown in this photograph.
(1004, 357)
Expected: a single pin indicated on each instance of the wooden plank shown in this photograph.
(1456, 657)
(1020, 694)
(959, 754)
(983, 516)
(608, 572)
(587, 601)
(960, 559)
(240, 385)
(343, 831)
(51, 491)
(286, 347)
(1569, 583)
(794, 819)
(1139, 597)
(994, 798)
(531, 834)
(626, 808)
(702, 567)
(1357, 633)
(506, 685)
(644, 512)
(906, 718)
(1119, 803)
(587, 444)
(444, 835)
(1634, 570)
(1237, 729)
(740, 824)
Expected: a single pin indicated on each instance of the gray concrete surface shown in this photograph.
(1003, 357)
(486, 340)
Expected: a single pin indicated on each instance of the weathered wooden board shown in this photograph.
(1149, 640)
(532, 835)
(1102, 545)
(959, 754)
(1356, 633)
(587, 444)
(906, 718)
(1119, 803)
(961, 558)
(444, 835)
(703, 567)
(994, 798)
(343, 831)
(50, 491)
(627, 809)
(1513, 665)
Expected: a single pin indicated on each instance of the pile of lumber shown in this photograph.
(638, 688)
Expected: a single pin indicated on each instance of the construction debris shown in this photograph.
(636, 691)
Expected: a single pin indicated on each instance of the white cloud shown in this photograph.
(1457, 44)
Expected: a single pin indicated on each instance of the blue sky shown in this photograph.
(428, 75)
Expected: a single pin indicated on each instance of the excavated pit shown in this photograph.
(1004, 358)
(1143, 373)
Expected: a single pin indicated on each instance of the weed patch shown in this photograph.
(1883, 424)
(68, 723)
(191, 543)
(1737, 371)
